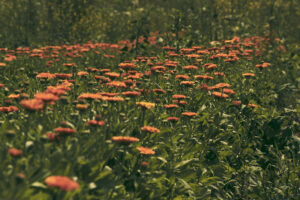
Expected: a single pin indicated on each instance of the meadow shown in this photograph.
(158, 100)
(149, 121)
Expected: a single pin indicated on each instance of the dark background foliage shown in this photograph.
(40, 22)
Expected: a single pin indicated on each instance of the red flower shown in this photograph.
(173, 119)
(62, 182)
(64, 131)
(95, 123)
(15, 152)
(237, 103)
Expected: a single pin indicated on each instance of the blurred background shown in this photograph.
(49, 22)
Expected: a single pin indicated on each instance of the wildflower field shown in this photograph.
(163, 103)
(96, 121)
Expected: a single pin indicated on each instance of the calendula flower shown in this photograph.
(57, 75)
(127, 65)
(150, 129)
(237, 103)
(248, 75)
(14, 96)
(178, 96)
(188, 83)
(32, 104)
(147, 105)
(146, 151)
(89, 96)
(253, 105)
(82, 106)
(46, 97)
(52, 136)
(220, 95)
(173, 119)
(181, 76)
(203, 77)
(82, 73)
(117, 84)
(65, 131)
(125, 139)
(189, 114)
(9, 109)
(171, 106)
(190, 67)
(15, 152)
(45, 75)
(112, 74)
(159, 91)
(228, 91)
(131, 93)
(95, 123)
(62, 182)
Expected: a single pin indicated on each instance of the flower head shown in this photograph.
(62, 182)
(146, 151)
(150, 129)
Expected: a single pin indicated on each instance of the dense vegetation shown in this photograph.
(149, 99)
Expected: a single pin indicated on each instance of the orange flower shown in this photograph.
(126, 65)
(252, 105)
(57, 75)
(15, 152)
(14, 96)
(187, 83)
(248, 74)
(32, 104)
(89, 96)
(82, 106)
(69, 64)
(147, 105)
(52, 136)
(95, 123)
(181, 76)
(190, 67)
(178, 96)
(150, 129)
(220, 95)
(228, 91)
(125, 139)
(159, 91)
(145, 151)
(46, 96)
(62, 182)
(56, 91)
(112, 99)
(9, 109)
(82, 73)
(64, 131)
(237, 103)
(189, 114)
(46, 75)
(117, 84)
(131, 93)
(173, 119)
(203, 77)
(171, 106)
(2, 64)
(112, 74)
